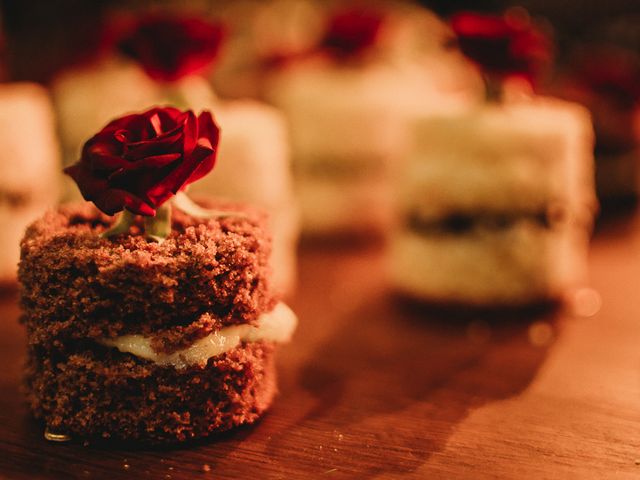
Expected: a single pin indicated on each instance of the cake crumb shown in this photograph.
(206, 467)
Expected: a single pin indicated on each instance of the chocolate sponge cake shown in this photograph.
(150, 342)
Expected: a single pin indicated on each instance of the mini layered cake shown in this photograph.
(29, 166)
(349, 136)
(346, 135)
(134, 340)
(348, 104)
(497, 205)
(161, 326)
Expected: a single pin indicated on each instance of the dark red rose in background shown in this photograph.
(611, 72)
(169, 48)
(606, 79)
(502, 45)
(351, 32)
(141, 160)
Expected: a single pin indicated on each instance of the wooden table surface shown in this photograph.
(371, 388)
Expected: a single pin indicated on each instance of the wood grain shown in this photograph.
(374, 388)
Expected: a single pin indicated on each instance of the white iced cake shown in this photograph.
(496, 205)
(29, 168)
(349, 134)
(346, 135)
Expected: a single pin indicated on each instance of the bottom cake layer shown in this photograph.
(523, 264)
(100, 393)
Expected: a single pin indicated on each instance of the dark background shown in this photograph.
(42, 35)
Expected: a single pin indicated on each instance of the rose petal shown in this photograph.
(190, 133)
(170, 47)
(208, 129)
(181, 176)
(139, 161)
(113, 200)
(352, 31)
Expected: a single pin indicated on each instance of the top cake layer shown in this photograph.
(207, 274)
(354, 111)
(340, 111)
(522, 155)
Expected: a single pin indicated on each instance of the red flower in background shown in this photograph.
(169, 48)
(502, 45)
(610, 72)
(350, 32)
(141, 160)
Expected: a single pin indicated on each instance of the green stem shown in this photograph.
(158, 228)
(494, 90)
(122, 225)
(175, 98)
(184, 203)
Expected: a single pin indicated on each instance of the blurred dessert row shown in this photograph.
(369, 120)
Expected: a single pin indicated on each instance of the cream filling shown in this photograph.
(274, 326)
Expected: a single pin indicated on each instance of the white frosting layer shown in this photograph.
(525, 154)
(277, 325)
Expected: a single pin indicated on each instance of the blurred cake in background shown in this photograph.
(347, 103)
(606, 79)
(496, 204)
(29, 167)
(163, 58)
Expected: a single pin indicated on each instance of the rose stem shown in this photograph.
(184, 203)
(122, 225)
(494, 89)
(158, 228)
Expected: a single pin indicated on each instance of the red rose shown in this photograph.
(169, 48)
(501, 45)
(350, 32)
(612, 73)
(141, 160)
